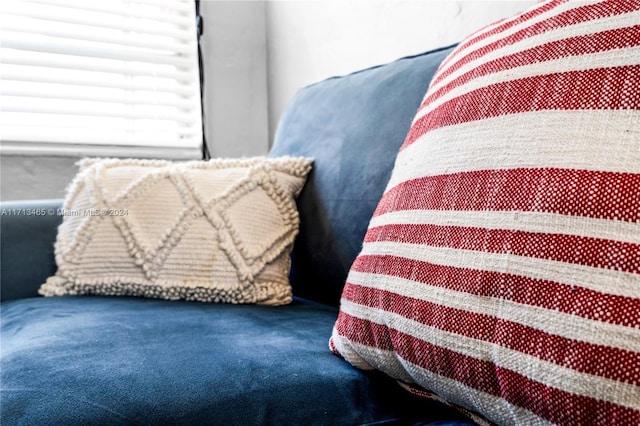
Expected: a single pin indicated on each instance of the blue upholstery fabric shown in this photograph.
(101, 361)
(28, 230)
(353, 127)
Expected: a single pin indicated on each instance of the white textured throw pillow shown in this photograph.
(215, 231)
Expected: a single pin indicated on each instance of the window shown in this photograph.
(100, 76)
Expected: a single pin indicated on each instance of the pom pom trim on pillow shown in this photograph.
(216, 231)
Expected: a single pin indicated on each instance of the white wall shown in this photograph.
(312, 40)
(234, 49)
(30, 177)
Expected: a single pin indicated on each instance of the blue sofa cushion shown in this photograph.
(99, 360)
(353, 127)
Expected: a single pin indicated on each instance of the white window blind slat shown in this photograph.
(168, 4)
(98, 111)
(121, 73)
(8, 77)
(115, 126)
(122, 10)
(116, 52)
(52, 15)
(90, 64)
(53, 93)
(163, 139)
(17, 26)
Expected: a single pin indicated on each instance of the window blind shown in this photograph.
(120, 72)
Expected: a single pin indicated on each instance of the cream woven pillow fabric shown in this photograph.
(216, 231)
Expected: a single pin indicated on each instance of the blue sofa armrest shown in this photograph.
(27, 235)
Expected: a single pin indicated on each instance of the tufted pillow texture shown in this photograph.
(214, 231)
(501, 269)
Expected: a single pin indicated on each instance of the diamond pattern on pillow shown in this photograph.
(209, 231)
(501, 269)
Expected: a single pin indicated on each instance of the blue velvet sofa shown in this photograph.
(116, 360)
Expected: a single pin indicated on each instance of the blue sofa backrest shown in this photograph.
(353, 127)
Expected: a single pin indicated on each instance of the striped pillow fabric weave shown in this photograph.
(501, 269)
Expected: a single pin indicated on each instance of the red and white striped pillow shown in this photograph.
(501, 269)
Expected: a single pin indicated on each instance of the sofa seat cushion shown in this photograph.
(99, 360)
